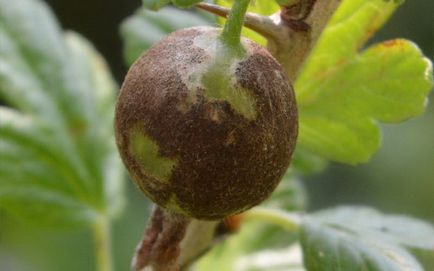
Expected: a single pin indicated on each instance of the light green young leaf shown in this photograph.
(145, 28)
(263, 7)
(346, 239)
(285, 2)
(343, 91)
(58, 162)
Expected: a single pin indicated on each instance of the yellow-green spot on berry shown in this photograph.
(174, 205)
(219, 85)
(214, 115)
(145, 151)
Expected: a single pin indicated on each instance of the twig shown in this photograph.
(291, 36)
(294, 49)
(263, 25)
(199, 238)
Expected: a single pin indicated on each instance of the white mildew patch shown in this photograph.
(207, 40)
(215, 75)
(192, 77)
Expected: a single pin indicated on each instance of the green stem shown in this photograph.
(102, 238)
(231, 34)
(288, 221)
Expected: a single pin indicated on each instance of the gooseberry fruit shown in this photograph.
(205, 130)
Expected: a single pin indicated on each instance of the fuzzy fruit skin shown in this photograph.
(215, 157)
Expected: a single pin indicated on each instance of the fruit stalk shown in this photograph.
(231, 34)
(160, 246)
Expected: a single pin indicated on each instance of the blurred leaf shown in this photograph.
(58, 162)
(263, 7)
(288, 259)
(155, 4)
(342, 92)
(256, 240)
(185, 3)
(290, 195)
(306, 162)
(145, 28)
(360, 238)
(158, 4)
(253, 238)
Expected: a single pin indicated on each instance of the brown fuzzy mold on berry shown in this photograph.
(205, 133)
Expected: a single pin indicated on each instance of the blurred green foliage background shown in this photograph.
(399, 179)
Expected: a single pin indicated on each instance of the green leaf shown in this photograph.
(58, 162)
(343, 91)
(145, 28)
(360, 238)
(263, 7)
